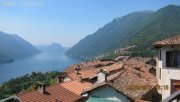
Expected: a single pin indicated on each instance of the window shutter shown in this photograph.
(168, 59)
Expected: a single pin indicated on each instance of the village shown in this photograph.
(124, 79)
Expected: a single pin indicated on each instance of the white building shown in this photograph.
(168, 65)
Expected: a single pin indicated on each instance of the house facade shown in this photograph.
(106, 93)
(168, 65)
(132, 83)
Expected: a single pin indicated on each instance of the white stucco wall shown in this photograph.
(101, 77)
(67, 79)
(167, 74)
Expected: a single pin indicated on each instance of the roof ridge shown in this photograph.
(173, 40)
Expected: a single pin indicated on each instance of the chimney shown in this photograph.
(78, 69)
(60, 77)
(42, 88)
(80, 78)
(102, 76)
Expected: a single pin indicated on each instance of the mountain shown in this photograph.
(54, 47)
(13, 47)
(140, 28)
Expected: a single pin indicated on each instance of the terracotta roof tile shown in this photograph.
(84, 74)
(125, 81)
(133, 81)
(175, 40)
(123, 58)
(70, 91)
(136, 64)
(93, 72)
(53, 92)
(76, 86)
(89, 65)
(113, 67)
(65, 92)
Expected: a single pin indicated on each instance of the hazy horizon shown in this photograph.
(42, 22)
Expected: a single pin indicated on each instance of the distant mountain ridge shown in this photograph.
(54, 47)
(13, 46)
(140, 28)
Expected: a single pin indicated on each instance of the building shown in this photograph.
(54, 93)
(88, 65)
(119, 82)
(106, 93)
(168, 65)
(61, 92)
(133, 82)
(91, 74)
(69, 87)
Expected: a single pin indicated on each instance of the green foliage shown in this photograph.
(26, 83)
(140, 28)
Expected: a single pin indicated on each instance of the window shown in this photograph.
(173, 59)
(160, 73)
(160, 54)
(175, 85)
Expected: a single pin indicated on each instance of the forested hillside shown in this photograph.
(26, 83)
(139, 28)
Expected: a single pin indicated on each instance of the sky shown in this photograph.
(66, 21)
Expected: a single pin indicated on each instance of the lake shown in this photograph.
(43, 62)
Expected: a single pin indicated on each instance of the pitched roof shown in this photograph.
(83, 74)
(93, 72)
(123, 58)
(65, 92)
(136, 64)
(88, 65)
(175, 40)
(113, 67)
(131, 82)
(134, 83)
(54, 92)
(76, 86)
(70, 91)
(124, 80)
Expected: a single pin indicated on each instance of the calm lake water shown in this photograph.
(43, 62)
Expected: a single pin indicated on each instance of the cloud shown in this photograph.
(22, 3)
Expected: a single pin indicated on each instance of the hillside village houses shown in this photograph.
(124, 80)
(111, 83)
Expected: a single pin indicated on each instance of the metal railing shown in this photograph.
(175, 97)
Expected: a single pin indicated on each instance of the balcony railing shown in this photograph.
(175, 97)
